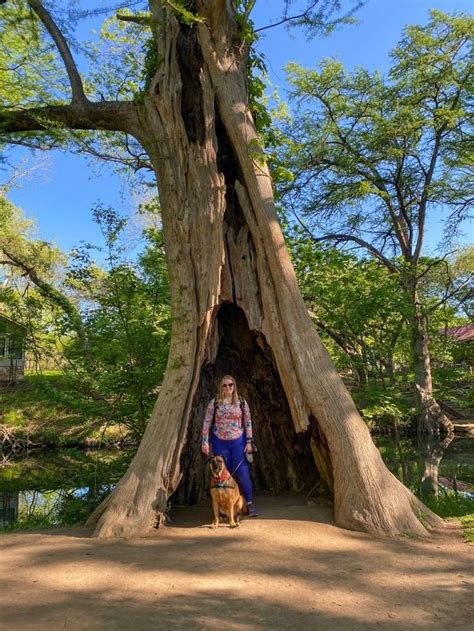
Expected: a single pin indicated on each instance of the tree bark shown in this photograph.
(431, 418)
(236, 306)
(431, 453)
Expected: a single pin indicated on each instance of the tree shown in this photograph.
(235, 302)
(354, 302)
(375, 158)
(125, 313)
(107, 327)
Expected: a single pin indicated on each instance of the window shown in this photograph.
(15, 347)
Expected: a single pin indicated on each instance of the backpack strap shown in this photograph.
(214, 414)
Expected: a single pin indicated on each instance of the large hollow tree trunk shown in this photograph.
(237, 308)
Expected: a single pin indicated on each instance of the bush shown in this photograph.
(384, 406)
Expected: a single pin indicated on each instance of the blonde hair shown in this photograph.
(220, 391)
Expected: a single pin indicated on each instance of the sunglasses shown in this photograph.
(228, 385)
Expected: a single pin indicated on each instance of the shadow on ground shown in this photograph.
(291, 568)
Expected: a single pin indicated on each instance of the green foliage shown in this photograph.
(363, 315)
(373, 156)
(356, 303)
(61, 488)
(128, 324)
(450, 504)
(30, 70)
(183, 10)
(106, 326)
(385, 405)
(372, 152)
(118, 59)
(18, 236)
(37, 409)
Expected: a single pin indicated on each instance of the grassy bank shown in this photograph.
(30, 412)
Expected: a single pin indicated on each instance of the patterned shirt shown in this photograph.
(228, 423)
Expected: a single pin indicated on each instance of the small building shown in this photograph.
(463, 333)
(12, 350)
(463, 353)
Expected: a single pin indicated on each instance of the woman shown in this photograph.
(229, 424)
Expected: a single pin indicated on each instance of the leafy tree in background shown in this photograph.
(126, 315)
(356, 303)
(235, 303)
(107, 327)
(376, 159)
(363, 315)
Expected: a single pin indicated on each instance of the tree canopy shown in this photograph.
(374, 156)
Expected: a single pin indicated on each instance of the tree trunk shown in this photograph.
(237, 308)
(431, 453)
(431, 418)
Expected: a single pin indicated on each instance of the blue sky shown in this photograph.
(63, 190)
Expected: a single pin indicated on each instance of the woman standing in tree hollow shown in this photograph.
(229, 424)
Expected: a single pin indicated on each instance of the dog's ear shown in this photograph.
(208, 459)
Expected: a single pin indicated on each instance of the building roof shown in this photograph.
(16, 324)
(460, 333)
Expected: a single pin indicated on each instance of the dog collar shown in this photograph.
(220, 482)
(222, 478)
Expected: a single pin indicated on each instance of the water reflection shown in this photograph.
(63, 487)
(57, 488)
(431, 450)
(430, 466)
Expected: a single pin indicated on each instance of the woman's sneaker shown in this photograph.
(251, 510)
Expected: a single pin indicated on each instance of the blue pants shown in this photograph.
(233, 452)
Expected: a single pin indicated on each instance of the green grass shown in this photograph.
(454, 507)
(34, 408)
(450, 504)
(467, 522)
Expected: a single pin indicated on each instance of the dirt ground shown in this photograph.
(289, 569)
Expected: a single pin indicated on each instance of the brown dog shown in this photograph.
(226, 497)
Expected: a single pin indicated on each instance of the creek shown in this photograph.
(61, 487)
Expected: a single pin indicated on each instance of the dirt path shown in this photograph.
(289, 569)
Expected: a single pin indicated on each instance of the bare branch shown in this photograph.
(434, 263)
(75, 80)
(340, 238)
(288, 18)
(451, 294)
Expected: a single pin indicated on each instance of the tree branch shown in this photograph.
(451, 294)
(340, 340)
(105, 115)
(288, 18)
(373, 176)
(339, 238)
(53, 295)
(142, 20)
(431, 170)
(424, 196)
(78, 95)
